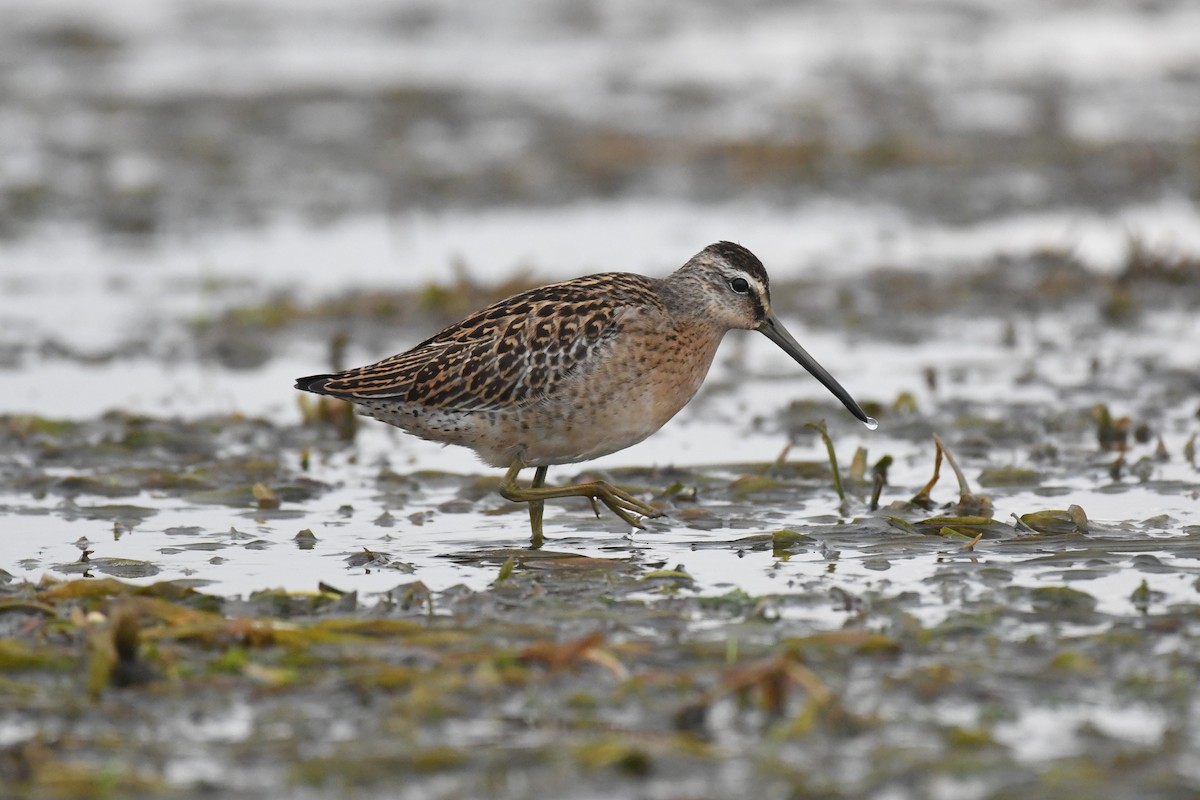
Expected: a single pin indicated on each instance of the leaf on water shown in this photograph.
(28, 607)
(236, 497)
(412, 595)
(1073, 661)
(265, 496)
(677, 575)
(16, 655)
(1057, 522)
(753, 484)
(368, 558)
(1009, 476)
(972, 521)
(782, 540)
(1141, 596)
(123, 567)
(789, 538)
(902, 524)
(735, 601)
(579, 563)
(84, 589)
(506, 569)
(966, 526)
(1061, 599)
(258, 544)
(502, 554)
(127, 515)
(678, 492)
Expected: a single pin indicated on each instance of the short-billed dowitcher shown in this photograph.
(573, 371)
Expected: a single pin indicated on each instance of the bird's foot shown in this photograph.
(617, 500)
(620, 502)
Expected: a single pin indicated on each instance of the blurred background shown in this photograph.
(164, 163)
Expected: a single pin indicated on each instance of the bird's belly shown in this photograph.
(540, 435)
(567, 434)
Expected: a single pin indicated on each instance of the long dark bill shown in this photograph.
(775, 331)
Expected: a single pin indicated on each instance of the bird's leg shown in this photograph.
(537, 507)
(619, 501)
(511, 491)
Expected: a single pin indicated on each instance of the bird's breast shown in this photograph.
(628, 391)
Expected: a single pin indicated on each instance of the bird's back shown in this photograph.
(510, 354)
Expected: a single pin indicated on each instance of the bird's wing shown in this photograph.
(510, 354)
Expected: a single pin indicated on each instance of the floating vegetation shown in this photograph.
(1073, 520)
(615, 697)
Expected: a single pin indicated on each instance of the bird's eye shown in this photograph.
(740, 285)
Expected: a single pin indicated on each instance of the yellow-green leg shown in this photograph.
(619, 501)
(536, 508)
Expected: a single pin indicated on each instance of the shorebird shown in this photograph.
(573, 371)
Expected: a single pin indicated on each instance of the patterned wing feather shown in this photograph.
(509, 354)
